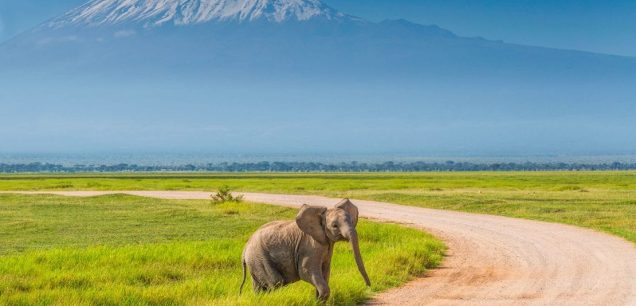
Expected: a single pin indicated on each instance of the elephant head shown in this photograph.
(332, 225)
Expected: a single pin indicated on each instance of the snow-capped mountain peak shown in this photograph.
(184, 12)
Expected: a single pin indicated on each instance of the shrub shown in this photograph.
(224, 194)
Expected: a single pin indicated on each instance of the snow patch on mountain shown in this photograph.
(185, 12)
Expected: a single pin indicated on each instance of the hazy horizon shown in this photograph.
(199, 158)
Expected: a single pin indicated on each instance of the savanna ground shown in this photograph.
(604, 201)
(125, 250)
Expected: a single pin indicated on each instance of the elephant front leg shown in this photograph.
(322, 287)
(313, 274)
(326, 268)
(326, 265)
(326, 271)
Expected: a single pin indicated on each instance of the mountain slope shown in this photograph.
(285, 67)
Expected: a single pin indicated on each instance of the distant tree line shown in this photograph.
(318, 167)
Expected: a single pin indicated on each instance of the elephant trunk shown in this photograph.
(353, 238)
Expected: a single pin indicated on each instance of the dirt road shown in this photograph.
(492, 260)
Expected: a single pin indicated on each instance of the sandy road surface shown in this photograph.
(492, 260)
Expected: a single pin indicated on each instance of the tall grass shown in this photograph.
(122, 250)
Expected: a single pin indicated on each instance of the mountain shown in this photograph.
(189, 12)
(299, 76)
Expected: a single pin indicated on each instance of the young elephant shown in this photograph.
(284, 252)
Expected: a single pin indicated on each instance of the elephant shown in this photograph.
(284, 252)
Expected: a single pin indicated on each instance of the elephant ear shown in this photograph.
(310, 221)
(350, 209)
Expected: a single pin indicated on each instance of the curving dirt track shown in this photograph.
(492, 260)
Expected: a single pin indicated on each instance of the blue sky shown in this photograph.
(607, 26)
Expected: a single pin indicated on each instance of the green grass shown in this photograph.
(124, 250)
(603, 201)
(324, 182)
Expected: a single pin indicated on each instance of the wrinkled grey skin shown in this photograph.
(284, 252)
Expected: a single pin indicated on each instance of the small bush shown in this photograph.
(224, 194)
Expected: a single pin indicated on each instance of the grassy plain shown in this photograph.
(603, 201)
(124, 250)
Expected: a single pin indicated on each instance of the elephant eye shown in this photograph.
(335, 225)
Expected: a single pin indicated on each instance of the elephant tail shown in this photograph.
(244, 274)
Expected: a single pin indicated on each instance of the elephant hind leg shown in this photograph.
(258, 287)
(258, 278)
(274, 278)
(266, 278)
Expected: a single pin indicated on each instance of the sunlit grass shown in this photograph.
(603, 201)
(324, 182)
(123, 250)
